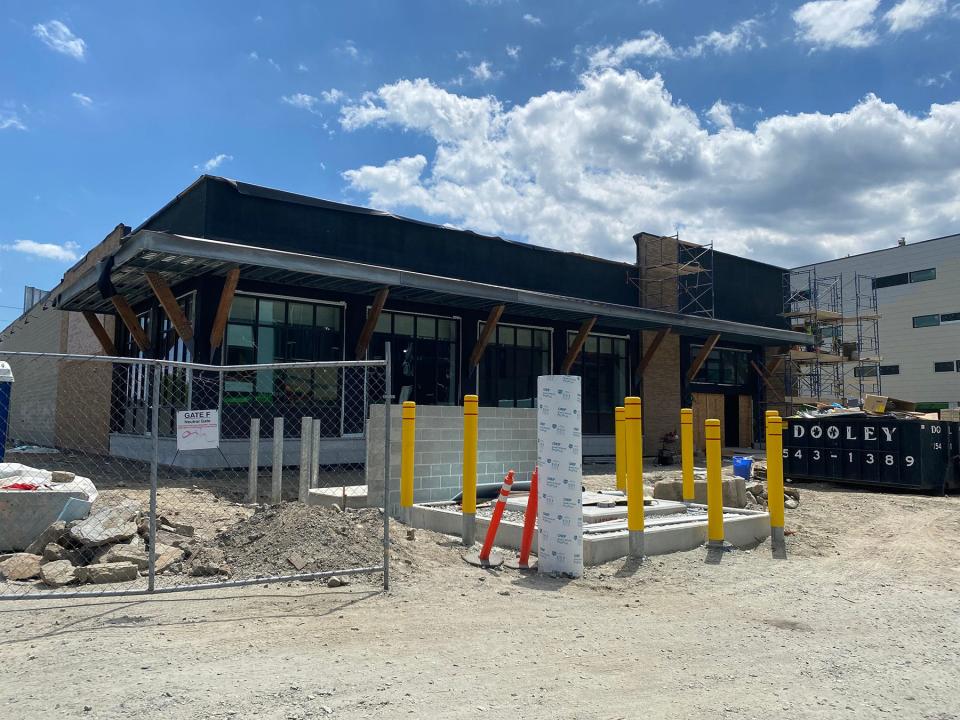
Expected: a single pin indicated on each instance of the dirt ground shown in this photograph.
(862, 620)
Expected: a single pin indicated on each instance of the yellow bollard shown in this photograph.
(633, 432)
(686, 452)
(468, 504)
(714, 486)
(620, 439)
(775, 481)
(408, 433)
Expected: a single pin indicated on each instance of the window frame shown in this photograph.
(579, 363)
(493, 343)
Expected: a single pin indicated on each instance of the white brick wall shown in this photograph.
(914, 349)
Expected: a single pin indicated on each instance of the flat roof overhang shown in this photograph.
(178, 258)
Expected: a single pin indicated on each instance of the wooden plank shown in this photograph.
(574, 351)
(379, 300)
(170, 306)
(129, 318)
(775, 364)
(652, 350)
(706, 406)
(223, 309)
(493, 317)
(701, 358)
(106, 343)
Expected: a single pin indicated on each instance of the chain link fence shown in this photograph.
(133, 476)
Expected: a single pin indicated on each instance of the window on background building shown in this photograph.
(948, 366)
(922, 321)
(950, 317)
(905, 278)
(603, 370)
(889, 369)
(723, 366)
(874, 370)
(265, 330)
(424, 356)
(511, 363)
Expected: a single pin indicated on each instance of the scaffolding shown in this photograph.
(675, 275)
(840, 362)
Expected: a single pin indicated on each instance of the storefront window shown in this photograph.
(603, 369)
(424, 356)
(511, 363)
(723, 366)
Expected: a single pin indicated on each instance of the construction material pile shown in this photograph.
(874, 406)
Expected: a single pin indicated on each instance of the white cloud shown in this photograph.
(721, 116)
(258, 18)
(84, 100)
(332, 96)
(253, 55)
(349, 49)
(836, 23)
(532, 19)
(302, 101)
(213, 163)
(618, 154)
(48, 251)
(513, 51)
(483, 72)
(912, 14)
(556, 63)
(11, 121)
(940, 80)
(744, 35)
(58, 36)
(302, 68)
(648, 44)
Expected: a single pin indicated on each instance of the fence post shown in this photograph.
(276, 490)
(254, 460)
(714, 485)
(775, 482)
(468, 504)
(633, 432)
(620, 448)
(154, 468)
(387, 398)
(686, 453)
(306, 436)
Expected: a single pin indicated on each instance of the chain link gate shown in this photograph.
(126, 476)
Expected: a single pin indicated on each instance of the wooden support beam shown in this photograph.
(493, 317)
(574, 352)
(758, 369)
(701, 358)
(223, 309)
(776, 363)
(129, 318)
(170, 306)
(106, 343)
(649, 352)
(379, 300)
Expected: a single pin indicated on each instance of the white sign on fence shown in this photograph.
(198, 429)
(559, 459)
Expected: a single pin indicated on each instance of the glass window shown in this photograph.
(921, 275)
(921, 321)
(866, 371)
(270, 311)
(950, 317)
(511, 363)
(300, 314)
(604, 380)
(723, 366)
(891, 280)
(424, 356)
(889, 369)
(243, 307)
(944, 366)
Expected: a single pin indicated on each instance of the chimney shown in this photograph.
(902, 241)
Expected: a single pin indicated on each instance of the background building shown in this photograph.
(918, 303)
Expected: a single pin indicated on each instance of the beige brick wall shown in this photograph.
(658, 284)
(661, 392)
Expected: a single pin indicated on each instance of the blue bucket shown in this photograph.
(741, 466)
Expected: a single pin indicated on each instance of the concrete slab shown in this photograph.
(354, 496)
(24, 514)
(670, 532)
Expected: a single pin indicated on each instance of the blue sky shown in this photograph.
(789, 132)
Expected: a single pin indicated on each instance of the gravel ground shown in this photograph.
(862, 621)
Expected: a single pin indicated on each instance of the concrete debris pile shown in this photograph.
(757, 490)
(110, 545)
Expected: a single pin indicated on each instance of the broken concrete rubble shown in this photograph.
(734, 491)
(103, 573)
(208, 562)
(106, 525)
(20, 566)
(126, 553)
(58, 573)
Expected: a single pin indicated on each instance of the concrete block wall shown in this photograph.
(507, 440)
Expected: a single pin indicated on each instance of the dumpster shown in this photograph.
(884, 451)
(6, 390)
